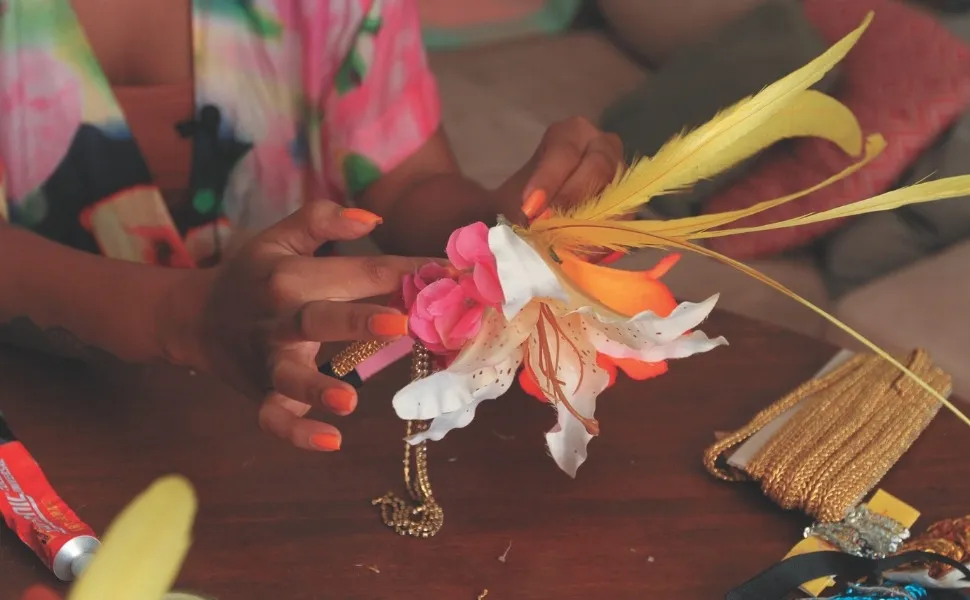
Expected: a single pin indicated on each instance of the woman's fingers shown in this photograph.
(326, 321)
(314, 224)
(597, 167)
(298, 280)
(294, 378)
(284, 418)
(574, 160)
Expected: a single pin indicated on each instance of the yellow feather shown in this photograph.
(951, 187)
(143, 548)
(725, 140)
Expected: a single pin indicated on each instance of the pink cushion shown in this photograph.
(907, 78)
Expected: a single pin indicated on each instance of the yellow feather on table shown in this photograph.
(143, 549)
(783, 110)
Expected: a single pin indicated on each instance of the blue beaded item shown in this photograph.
(907, 592)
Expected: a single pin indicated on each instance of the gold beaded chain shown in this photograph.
(421, 517)
(851, 427)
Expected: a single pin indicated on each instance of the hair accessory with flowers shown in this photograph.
(525, 302)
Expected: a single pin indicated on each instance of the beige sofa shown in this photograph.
(498, 101)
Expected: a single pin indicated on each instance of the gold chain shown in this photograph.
(421, 517)
(851, 427)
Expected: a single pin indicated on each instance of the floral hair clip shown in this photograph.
(526, 303)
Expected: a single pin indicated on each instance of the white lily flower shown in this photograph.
(542, 324)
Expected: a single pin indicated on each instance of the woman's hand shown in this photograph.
(574, 160)
(258, 320)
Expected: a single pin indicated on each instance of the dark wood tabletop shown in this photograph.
(642, 521)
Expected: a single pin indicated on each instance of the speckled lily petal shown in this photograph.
(647, 329)
(497, 343)
(485, 384)
(581, 380)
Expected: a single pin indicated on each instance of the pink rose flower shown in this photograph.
(444, 317)
(413, 284)
(445, 309)
(468, 250)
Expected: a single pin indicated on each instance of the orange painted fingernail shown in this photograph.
(534, 204)
(328, 442)
(361, 216)
(388, 325)
(340, 400)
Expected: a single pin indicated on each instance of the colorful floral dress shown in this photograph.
(294, 100)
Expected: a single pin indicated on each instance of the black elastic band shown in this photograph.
(6, 435)
(784, 577)
(352, 378)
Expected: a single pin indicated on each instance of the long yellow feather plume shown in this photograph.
(941, 189)
(572, 235)
(730, 137)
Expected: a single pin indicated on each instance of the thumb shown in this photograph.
(316, 223)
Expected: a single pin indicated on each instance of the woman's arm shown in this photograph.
(69, 303)
(424, 199)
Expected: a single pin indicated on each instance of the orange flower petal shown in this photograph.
(529, 384)
(626, 292)
(639, 370)
(609, 365)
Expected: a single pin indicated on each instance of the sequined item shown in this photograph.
(862, 533)
(421, 517)
(851, 427)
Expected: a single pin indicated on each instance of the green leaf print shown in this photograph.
(359, 172)
(265, 26)
(351, 73)
(357, 63)
(204, 201)
(33, 209)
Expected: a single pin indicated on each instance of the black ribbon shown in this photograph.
(784, 577)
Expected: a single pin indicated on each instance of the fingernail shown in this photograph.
(325, 441)
(545, 214)
(534, 203)
(361, 216)
(340, 400)
(388, 325)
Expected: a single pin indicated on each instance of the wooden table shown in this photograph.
(642, 521)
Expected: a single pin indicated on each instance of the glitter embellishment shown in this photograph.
(862, 533)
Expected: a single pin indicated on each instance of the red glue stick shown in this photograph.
(34, 511)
